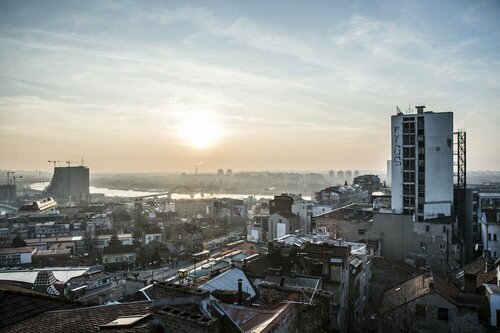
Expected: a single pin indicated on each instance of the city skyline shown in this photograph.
(149, 87)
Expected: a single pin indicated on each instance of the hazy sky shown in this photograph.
(295, 85)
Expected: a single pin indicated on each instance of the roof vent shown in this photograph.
(124, 322)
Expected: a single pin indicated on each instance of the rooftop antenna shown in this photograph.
(398, 110)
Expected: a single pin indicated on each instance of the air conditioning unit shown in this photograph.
(443, 250)
(423, 248)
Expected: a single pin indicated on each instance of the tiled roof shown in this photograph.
(18, 302)
(44, 280)
(84, 319)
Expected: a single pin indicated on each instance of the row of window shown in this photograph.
(129, 258)
(490, 237)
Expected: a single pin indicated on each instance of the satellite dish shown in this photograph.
(476, 247)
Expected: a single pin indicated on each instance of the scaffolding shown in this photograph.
(460, 159)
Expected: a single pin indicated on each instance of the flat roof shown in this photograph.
(11, 250)
(492, 288)
(62, 274)
(119, 236)
(54, 239)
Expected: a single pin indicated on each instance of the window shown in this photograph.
(494, 237)
(442, 247)
(444, 229)
(443, 314)
(361, 231)
(489, 237)
(427, 228)
(420, 311)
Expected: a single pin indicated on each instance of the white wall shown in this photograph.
(494, 306)
(490, 244)
(26, 258)
(304, 210)
(438, 163)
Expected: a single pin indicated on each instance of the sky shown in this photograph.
(152, 86)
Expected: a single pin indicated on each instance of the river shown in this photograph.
(108, 192)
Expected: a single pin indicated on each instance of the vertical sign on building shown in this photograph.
(397, 162)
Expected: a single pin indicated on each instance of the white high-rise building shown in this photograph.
(389, 173)
(422, 164)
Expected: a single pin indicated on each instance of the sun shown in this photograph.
(199, 130)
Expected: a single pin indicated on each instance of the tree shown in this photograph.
(18, 242)
(114, 242)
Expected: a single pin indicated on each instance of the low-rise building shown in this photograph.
(16, 255)
(120, 256)
(102, 241)
(51, 257)
(428, 303)
(489, 218)
(281, 224)
(193, 207)
(38, 207)
(492, 292)
(151, 234)
(76, 243)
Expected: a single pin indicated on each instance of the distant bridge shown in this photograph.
(178, 189)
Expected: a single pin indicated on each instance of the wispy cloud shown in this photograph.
(128, 70)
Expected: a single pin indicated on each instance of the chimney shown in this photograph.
(240, 291)
(420, 109)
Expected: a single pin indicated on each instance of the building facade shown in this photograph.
(422, 164)
(70, 183)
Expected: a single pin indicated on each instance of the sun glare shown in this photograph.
(199, 130)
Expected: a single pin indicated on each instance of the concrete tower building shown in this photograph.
(389, 173)
(70, 183)
(422, 164)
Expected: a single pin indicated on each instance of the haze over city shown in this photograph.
(156, 86)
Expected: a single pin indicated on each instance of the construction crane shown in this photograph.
(55, 162)
(8, 176)
(68, 162)
(18, 177)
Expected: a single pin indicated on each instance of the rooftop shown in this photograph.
(12, 250)
(229, 281)
(88, 319)
(19, 302)
(62, 274)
